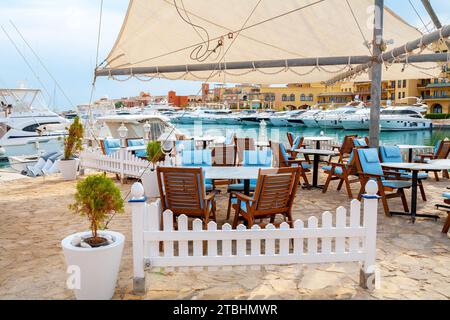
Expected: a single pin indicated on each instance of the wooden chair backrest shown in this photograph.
(278, 160)
(182, 190)
(102, 146)
(347, 145)
(355, 146)
(443, 150)
(224, 155)
(275, 190)
(243, 144)
(290, 137)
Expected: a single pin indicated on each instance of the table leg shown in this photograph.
(315, 170)
(204, 144)
(410, 155)
(413, 213)
(247, 187)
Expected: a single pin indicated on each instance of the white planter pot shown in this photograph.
(68, 169)
(98, 267)
(150, 183)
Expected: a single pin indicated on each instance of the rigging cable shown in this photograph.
(26, 62)
(42, 63)
(359, 27)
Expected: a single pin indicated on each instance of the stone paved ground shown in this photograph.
(414, 259)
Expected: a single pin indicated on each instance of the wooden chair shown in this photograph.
(243, 144)
(342, 172)
(182, 191)
(274, 194)
(345, 149)
(369, 167)
(109, 146)
(223, 156)
(441, 151)
(394, 154)
(282, 159)
(445, 207)
(260, 158)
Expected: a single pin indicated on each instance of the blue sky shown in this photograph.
(64, 34)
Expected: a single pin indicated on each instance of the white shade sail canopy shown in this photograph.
(158, 33)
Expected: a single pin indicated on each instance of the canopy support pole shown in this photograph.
(432, 14)
(376, 70)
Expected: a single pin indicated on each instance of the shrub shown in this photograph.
(73, 141)
(98, 198)
(154, 152)
(437, 116)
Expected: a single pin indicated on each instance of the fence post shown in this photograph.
(122, 165)
(368, 271)
(137, 223)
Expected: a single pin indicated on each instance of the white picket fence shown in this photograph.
(122, 162)
(348, 239)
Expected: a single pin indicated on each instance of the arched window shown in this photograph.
(310, 97)
(302, 97)
(292, 97)
(284, 97)
(437, 108)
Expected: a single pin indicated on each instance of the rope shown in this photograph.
(358, 25)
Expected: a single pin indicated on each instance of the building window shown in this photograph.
(302, 97)
(392, 96)
(399, 83)
(292, 97)
(310, 97)
(437, 108)
(403, 95)
(284, 97)
(404, 83)
(399, 95)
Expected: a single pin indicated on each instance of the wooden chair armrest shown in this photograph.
(335, 164)
(210, 196)
(242, 197)
(426, 155)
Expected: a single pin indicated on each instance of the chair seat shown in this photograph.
(243, 205)
(397, 184)
(240, 186)
(446, 195)
(337, 170)
(421, 175)
(305, 166)
(208, 187)
(141, 153)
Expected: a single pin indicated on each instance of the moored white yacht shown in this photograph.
(331, 118)
(309, 118)
(281, 119)
(410, 117)
(27, 127)
(357, 121)
(256, 118)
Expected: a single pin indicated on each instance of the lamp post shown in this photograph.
(146, 131)
(122, 134)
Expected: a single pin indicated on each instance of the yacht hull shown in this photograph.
(311, 123)
(404, 125)
(355, 124)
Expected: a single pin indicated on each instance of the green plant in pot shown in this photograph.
(154, 153)
(96, 253)
(72, 145)
(148, 178)
(97, 198)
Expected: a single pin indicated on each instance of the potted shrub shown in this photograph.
(149, 179)
(72, 144)
(94, 256)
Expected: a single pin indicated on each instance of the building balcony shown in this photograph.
(440, 97)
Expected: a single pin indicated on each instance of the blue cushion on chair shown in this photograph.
(296, 143)
(306, 166)
(391, 154)
(240, 186)
(257, 158)
(436, 146)
(337, 170)
(446, 195)
(196, 157)
(360, 142)
(370, 162)
(421, 175)
(396, 184)
(136, 142)
(111, 145)
(284, 153)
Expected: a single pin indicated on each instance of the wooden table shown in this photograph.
(317, 153)
(415, 168)
(318, 140)
(411, 147)
(234, 173)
